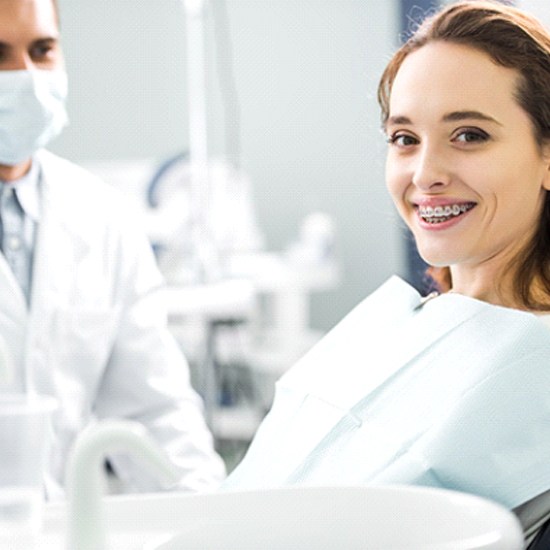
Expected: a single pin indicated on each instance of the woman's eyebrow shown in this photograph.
(398, 119)
(457, 116)
(454, 116)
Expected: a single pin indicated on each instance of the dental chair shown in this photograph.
(534, 516)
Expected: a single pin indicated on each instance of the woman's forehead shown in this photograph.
(443, 78)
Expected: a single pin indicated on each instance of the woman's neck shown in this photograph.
(494, 286)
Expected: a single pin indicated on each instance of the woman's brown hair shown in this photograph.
(516, 40)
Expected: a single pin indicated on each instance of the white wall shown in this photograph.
(539, 8)
(306, 74)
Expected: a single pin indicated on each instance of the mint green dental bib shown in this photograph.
(451, 393)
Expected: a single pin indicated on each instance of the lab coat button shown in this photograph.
(14, 243)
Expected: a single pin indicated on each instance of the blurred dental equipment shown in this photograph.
(226, 223)
(201, 233)
(240, 331)
(240, 313)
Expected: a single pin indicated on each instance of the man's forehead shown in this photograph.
(40, 5)
(28, 16)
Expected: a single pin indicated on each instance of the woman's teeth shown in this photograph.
(440, 214)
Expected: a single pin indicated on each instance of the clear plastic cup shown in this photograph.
(25, 436)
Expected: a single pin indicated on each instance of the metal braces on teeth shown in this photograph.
(443, 211)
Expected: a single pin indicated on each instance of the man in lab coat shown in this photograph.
(80, 311)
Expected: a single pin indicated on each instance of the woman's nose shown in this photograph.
(430, 170)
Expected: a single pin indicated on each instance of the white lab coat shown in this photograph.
(452, 394)
(95, 334)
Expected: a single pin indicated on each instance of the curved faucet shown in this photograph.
(86, 478)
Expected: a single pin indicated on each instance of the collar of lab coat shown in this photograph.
(28, 192)
(61, 221)
(27, 189)
(59, 242)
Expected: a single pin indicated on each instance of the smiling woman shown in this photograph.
(449, 392)
(464, 167)
(495, 58)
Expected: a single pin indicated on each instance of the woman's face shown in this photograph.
(463, 166)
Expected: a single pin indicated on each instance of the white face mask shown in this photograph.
(32, 111)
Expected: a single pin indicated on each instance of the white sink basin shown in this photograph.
(350, 518)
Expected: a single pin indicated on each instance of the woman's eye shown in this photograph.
(402, 140)
(471, 136)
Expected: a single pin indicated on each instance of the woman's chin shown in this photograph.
(436, 258)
